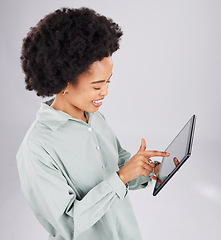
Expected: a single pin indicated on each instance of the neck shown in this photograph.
(63, 105)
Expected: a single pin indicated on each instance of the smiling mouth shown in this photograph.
(97, 103)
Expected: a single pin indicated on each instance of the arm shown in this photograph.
(124, 158)
(139, 182)
(140, 165)
(53, 197)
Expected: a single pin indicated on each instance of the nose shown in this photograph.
(104, 90)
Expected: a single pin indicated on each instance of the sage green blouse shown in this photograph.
(67, 170)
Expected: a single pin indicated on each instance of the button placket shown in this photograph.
(103, 165)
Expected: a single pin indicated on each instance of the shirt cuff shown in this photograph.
(117, 185)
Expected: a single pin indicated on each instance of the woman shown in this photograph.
(73, 171)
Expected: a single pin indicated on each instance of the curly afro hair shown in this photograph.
(63, 45)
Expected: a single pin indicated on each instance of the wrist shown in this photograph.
(122, 177)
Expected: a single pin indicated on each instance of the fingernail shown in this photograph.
(167, 154)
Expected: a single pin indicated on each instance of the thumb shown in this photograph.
(143, 145)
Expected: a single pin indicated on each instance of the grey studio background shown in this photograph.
(167, 69)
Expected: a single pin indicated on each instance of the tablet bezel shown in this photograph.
(187, 155)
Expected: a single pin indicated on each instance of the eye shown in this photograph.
(100, 88)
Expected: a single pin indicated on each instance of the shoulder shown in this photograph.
(32, 144)
(36, 134)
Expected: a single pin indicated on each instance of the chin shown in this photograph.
(91, 108)
(93, 111)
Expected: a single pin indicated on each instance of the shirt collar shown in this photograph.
(55, 118)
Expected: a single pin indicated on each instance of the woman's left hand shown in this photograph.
(157, 169)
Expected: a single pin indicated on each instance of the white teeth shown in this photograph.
(97, 101)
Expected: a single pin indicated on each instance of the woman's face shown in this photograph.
(91, 87)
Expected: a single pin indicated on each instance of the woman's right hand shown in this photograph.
(140, 164)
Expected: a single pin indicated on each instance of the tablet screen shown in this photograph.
(179, 148)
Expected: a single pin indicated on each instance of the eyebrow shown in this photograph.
(100, 81)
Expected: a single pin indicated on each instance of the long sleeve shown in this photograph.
(49, 192)
(68, 174)
(141, 181)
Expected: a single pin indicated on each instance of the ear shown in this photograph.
(67, 87)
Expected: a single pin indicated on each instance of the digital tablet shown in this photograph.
(179, 148)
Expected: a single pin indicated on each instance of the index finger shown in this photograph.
(155, 153)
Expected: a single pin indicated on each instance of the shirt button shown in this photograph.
(98, 148)
(103, 166)
(89, 129)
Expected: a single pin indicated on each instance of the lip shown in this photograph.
(99, 99)
(97, 105)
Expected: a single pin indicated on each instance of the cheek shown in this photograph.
(92, 96)
(83, 94)
(88, 96)
(80, 92)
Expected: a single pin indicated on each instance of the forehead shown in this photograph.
(103, 66)
(99, 70)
